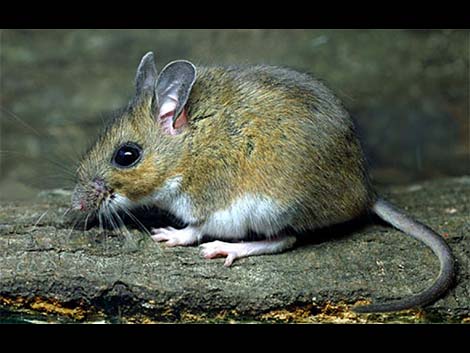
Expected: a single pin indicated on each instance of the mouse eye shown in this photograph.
(127, 155)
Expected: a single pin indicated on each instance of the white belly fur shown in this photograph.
(170, 198)
(250, 212)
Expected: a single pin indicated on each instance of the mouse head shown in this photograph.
(136, 153)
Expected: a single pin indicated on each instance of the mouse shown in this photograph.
(232, 150)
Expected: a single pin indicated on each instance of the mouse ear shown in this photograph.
(146, 76)
(173, 88)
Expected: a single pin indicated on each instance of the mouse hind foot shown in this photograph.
(234, 251)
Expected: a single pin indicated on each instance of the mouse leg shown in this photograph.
(234, 251)
(176, 237)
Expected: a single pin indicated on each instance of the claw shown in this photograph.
(233, 251)
(220, 249)
(175, 237)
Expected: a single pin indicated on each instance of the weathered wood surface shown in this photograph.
(48, 271)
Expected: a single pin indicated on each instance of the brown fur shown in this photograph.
(263, 130)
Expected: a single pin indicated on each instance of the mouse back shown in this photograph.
(271, 131)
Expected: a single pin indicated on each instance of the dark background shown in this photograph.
(408, 91)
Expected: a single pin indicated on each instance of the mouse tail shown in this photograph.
(419, 231)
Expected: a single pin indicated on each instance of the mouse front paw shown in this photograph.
(176, 237)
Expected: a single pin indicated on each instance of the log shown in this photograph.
(52, 272)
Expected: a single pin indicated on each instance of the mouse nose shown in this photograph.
(88, 196)
(78, 199)
(99, 185)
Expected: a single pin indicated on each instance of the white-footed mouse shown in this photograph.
(233, 150)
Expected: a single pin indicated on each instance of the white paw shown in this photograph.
(220, 249)
(174, 237)
(234, 251)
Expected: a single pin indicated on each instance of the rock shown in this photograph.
(52, 272)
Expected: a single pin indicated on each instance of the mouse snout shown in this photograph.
(88, 197)
(99, 186)
(78, 198)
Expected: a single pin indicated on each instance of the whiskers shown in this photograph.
(114, 217)
(11, 114)
(39, 220)
(117, 216)
(49, 156)
(134, 219)
(65, 214)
